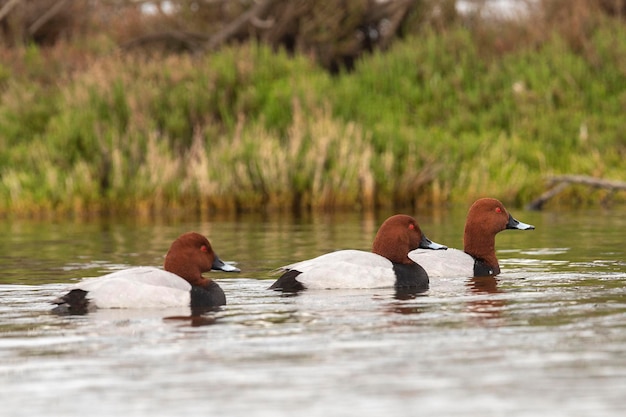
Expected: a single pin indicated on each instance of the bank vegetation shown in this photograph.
(305, 105)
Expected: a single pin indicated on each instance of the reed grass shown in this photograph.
(430, 121)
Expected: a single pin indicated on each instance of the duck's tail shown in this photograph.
(288, 282)
(74, 302)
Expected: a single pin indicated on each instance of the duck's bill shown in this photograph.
(516, 224)
(219, 265)
(426, 243)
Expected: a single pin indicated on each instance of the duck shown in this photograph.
(386, 266)
(485, 219)
(180, 282)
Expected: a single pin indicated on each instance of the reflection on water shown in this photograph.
(490, 307)
(548, 330)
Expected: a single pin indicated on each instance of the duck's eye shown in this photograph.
(203, 248)
(411, 226)
(498, 210)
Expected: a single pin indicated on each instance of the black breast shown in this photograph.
(410, 277)
(483, 269)
(207, 298)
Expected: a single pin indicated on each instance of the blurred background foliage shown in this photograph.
(144, 106)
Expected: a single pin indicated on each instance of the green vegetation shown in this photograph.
(432, 120)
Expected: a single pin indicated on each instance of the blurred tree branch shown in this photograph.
(44, 18)
(333, 32)
(336, 32)
(8, 6)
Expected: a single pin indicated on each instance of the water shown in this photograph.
(547, 337)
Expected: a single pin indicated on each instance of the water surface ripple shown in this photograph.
(546, 337)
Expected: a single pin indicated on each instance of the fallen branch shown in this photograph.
(561, 182)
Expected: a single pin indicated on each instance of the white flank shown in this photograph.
(345, 269)
(448, 263)
(141, 287)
